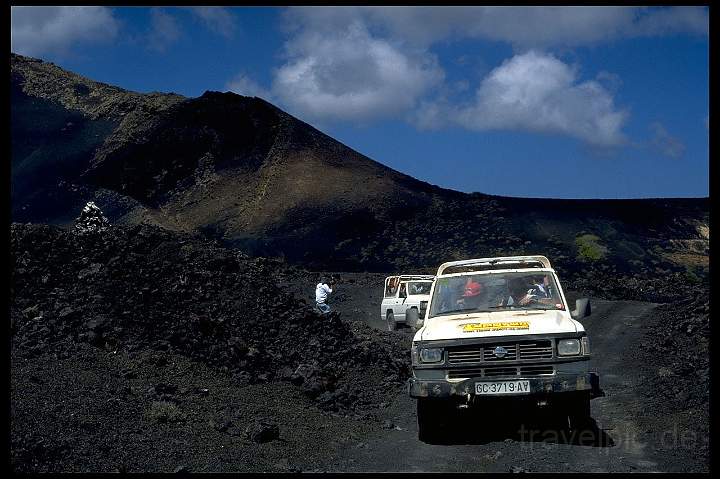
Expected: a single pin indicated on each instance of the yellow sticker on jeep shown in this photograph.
(476, 327)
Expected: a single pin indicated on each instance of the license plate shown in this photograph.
(503, 387)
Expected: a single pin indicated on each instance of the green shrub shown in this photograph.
(589, 249)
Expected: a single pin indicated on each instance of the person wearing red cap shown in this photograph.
(472, 294)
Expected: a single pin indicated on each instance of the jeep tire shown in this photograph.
(391, 324)
(411, 318)
(579, 418)
(433, 420)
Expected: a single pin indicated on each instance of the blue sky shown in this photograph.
(552, 102)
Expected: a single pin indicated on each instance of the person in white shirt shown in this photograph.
(541, 285)
(522, 293)
(321, 292)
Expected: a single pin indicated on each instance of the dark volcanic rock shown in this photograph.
(178, 294)
(263, 430)
(91, 221)
(676, 385)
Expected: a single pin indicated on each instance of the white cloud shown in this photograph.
(536, 92)
(432, 114)
(360, 63)
(347, 74)
(165, 30)
(246, 86)
(36, 31)
(668, 21)
(664, 142)
(217, 19)
(523, 27)
(611, 81)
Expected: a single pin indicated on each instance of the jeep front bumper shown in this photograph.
(558, 383)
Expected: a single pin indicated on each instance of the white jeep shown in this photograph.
(405, 300)
(499, 329)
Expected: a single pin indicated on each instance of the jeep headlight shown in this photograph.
(568, 347)
(431, 355)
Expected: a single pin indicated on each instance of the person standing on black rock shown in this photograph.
(321, 292)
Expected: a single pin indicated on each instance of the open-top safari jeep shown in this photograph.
(499, 329)
(405, 299)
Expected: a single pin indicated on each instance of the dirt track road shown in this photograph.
(623, 441)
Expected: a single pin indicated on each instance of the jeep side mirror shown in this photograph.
(582, 308)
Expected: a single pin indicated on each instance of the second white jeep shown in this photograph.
(405, 299)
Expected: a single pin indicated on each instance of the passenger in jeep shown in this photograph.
(543, 291)
(541, 286)
(522, 293)
(392, 286)
(518, 293)
(473, 295)
(420, 288)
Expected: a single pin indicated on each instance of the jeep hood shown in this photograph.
(500, 323)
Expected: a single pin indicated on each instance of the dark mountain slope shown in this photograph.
(59, 121)
(240, 170)
(238, 164)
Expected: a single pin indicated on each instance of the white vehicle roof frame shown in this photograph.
(410, 277)
(499, 261)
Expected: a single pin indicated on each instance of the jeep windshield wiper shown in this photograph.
(446, 313)
(460, 311)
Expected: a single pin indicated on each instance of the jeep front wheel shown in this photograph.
(433, 419)
(579, 413)
(391, 324)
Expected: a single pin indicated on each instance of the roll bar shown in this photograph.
(411, 277)
(484, 264)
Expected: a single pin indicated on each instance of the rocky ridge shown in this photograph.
(94, 99)
(136, 288)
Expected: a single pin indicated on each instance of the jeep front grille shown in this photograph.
(522, 350)
(536, 350)
(501, 371)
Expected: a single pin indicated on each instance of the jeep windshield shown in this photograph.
(488, 292)
(419, 287)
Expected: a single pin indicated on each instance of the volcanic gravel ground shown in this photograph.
(142, 350)
(98, 411)
(130, 291)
